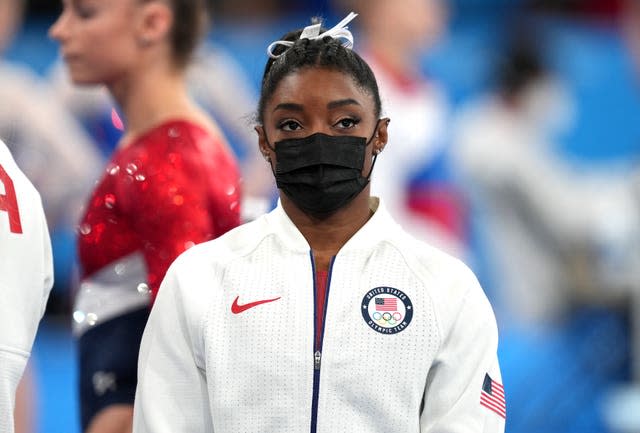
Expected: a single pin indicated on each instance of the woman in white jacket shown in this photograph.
(323, 315)
(26, 277)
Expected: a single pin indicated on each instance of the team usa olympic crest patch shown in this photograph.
(387, 310)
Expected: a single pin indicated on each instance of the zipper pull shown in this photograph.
(317, 357)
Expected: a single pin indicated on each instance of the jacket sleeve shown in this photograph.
(26, 278)
(464, 392)
(172, 388)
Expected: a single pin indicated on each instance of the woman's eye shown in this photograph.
(290, 125)
(347, 123)
(84, 11)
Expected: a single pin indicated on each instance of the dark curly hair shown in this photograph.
(327, 53)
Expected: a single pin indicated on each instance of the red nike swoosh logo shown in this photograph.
(237, 308)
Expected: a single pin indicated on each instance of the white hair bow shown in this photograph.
(339, 31)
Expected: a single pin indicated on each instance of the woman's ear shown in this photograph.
(263, 144)
(382, 135)
(156, 20)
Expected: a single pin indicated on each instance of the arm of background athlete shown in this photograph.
(467, 355)
(171, 395)
(26, 277)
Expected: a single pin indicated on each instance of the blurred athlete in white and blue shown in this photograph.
(26, 277)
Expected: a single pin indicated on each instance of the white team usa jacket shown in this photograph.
(26, 277)
(408, 343)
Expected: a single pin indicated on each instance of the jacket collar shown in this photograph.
(379, 227)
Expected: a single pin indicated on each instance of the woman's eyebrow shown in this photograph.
(288, 106)
(342, 102)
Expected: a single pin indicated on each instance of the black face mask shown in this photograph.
(321, 173)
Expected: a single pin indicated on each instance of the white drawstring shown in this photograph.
(339, 31)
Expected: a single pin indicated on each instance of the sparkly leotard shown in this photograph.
(175, 186)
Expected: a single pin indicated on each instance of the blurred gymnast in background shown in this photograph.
(171, 183)
(559, 241)
(51, 148)
(547, 222)
(229, 97)
(413, 177)
(62, 164)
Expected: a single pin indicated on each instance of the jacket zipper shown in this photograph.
(317, 347)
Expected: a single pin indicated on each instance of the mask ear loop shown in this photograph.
(375, 155)
(266, 139)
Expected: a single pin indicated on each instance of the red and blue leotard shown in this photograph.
(174, 186)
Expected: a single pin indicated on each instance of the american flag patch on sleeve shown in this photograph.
(492, 396)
